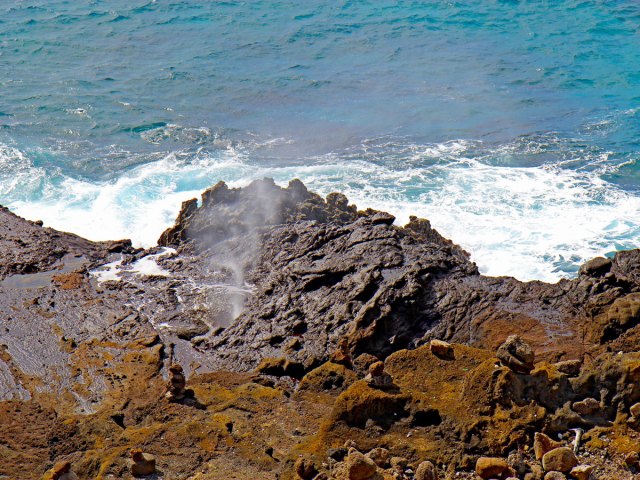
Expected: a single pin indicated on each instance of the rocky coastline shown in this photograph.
(276, 334)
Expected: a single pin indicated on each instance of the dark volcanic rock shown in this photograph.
(27, 247)
(278, 280)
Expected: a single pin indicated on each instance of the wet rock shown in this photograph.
(142, 464)
(516, 354)
(596, 267)
(380, 456)
(582, 472)
(426, 471)
(560, 459)
(360, 467)
(588, 406)
(441, 349)
(543, 444)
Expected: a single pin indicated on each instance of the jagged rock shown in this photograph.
(305, 468)
(380, 456)
(426, 471)
(624, 312)
(543, 444)
(310, 272)
(360, 467)
(569, 367)
(516, 354)
(588, 406)
(441, 349)
(582, 472)
(142, 464)
(596, 267)
(560, 459)
(491, 467)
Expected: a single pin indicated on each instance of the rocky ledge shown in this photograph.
(273, 333)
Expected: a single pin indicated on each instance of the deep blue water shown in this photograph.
(513, 125)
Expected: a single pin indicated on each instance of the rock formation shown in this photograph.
(302, 322)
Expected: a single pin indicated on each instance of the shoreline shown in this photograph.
(333, 289)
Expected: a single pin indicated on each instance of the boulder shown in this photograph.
(635, 410)
(560, 459)
(426, 471)
(624, 312)
(441, 349)
(362, 363)
(596, 267)
(555, 476)
(359, 467)
(582, 472)
(398, 463)
(588, 406)
(380, 456)
(516, 354)
(543, 444)
(491, 467)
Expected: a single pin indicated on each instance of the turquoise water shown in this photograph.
(514, 126)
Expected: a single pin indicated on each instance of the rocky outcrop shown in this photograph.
(292, 314)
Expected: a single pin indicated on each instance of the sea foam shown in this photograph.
(536, 222)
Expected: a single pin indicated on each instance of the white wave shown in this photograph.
(529, 222)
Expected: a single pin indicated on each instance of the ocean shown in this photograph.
(514, 126)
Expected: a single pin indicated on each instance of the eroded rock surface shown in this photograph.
(311, 293)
